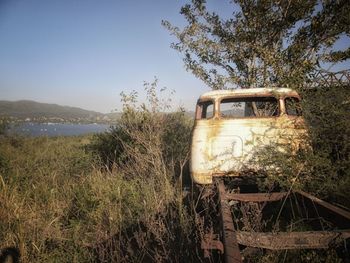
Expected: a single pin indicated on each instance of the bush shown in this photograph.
(146, 136)
(149, 149)
(327, 111)
(107, 146)
(323, 168)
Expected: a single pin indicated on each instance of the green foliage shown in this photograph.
(34, 191)
(107, 146)
(327, 111)
(264, 42)
(176, 137)
(323, 166)
(4, 126)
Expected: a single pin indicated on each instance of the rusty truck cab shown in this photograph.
(231, 125)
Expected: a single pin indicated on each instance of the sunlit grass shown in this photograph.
(56, 202)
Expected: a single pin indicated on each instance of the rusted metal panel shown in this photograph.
(256, 197)
(231, 250)
(292, 240)
(323, 78)
(317, 207)
(222, 145)
(232, 238)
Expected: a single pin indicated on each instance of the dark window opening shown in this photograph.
(249, 107)
(293, 106)
(205, 110)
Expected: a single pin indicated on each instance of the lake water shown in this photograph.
(56, 129)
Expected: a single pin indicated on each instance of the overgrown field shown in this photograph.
(57, 205)
(47, 197)
(118, 196)
(112, 197)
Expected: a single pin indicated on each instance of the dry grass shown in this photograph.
(56, 206)
(60, 203)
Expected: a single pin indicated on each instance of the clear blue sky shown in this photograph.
(84, 53)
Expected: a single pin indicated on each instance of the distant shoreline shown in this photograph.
(32, 111)
(35, 129)
(20, 121)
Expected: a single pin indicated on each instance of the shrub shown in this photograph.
(327, 111)
(150, 146)
(146, 136)
(107, 146)
(323, 168)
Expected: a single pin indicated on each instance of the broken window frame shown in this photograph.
(202, 107)
(299, 110)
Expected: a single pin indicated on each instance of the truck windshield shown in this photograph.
(249, 107)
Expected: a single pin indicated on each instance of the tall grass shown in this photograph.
(62, 202)
(58, 206)
(37, 189)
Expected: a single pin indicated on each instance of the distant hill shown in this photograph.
(26, 109)
(190, 114)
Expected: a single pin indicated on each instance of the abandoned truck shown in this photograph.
(232, 125)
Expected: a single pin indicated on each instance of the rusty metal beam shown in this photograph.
(211, 241)
(256, 197)
(291, 240)
(316, 206)
(231, 249)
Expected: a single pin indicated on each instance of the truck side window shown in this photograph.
(205, 110)
(293, 106)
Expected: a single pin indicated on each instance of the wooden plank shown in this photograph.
(231, 249)
(256, 197)
(291, 240)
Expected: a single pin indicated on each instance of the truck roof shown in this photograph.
(253, 91)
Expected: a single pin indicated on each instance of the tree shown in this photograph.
(266, 42)
(4, 126)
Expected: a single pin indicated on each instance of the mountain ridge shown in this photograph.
(29, 110)
(33, 110)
